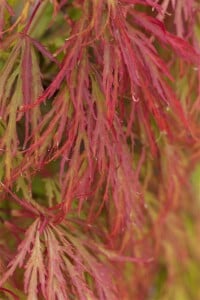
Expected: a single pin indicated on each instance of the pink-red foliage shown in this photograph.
(104, 131)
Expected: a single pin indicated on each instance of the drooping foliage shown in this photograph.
(99, 138)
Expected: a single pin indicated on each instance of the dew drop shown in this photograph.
(135, 99)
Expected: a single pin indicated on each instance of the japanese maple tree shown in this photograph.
(99, 143)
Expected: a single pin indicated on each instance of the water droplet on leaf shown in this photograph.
(135, 99)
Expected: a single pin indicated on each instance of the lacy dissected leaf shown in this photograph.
(23, 249)
(26, 83)
(58, 265)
